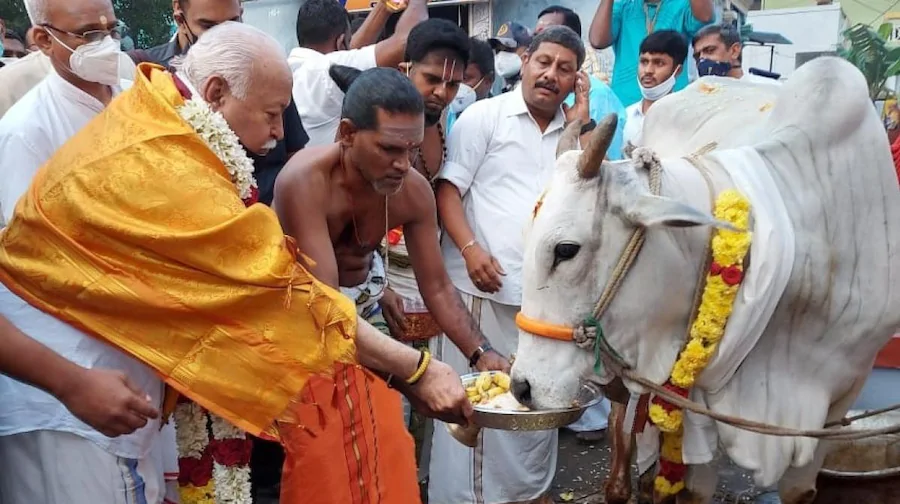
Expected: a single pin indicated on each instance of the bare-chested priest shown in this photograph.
(338, 202)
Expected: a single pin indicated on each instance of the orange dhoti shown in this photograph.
(350, 445)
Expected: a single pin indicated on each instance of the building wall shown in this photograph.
(810, 29)
(858, 11)
(278, 18)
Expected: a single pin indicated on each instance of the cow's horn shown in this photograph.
(592, 157)
(569, 139)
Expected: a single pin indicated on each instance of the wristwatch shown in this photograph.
(587, 128)
(476, 355)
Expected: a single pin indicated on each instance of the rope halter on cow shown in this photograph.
(589, 334)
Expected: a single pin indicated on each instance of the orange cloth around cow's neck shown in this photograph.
(134, 233)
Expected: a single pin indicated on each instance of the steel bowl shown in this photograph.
(533, 420)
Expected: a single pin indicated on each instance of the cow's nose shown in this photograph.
(521, 390)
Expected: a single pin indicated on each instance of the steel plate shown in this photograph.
(535, 420)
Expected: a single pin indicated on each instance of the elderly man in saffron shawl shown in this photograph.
(133, 250)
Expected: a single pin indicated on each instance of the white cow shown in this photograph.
(817, 302)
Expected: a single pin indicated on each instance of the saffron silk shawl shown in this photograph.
(134, 233)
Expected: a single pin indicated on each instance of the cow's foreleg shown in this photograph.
(700, 485)
(617, 489)
(645, 485)
(798, 484)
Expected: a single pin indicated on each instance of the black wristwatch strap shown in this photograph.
(587, 128)
(476, 355)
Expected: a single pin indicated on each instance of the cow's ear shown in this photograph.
(647, 211)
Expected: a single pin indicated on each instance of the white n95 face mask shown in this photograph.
(465, 96)
(102, 62)
(507, 64)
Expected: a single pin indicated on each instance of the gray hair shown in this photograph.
(37, 11)
(728, 33)
(230, 50)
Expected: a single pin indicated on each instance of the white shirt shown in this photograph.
(318, 98)
(27, 409)
(634, 124)
(17, 79)
(30, 133)
(501, 162)
(34, 128)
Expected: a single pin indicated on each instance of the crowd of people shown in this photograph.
(312, 246)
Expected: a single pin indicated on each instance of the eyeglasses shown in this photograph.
(90, 35)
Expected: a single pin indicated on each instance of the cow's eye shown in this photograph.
(565, 251)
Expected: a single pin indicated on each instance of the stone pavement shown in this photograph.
(582, 469)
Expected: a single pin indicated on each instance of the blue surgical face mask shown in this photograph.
(711, 67)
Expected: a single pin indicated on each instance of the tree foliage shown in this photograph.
(867, 49)
(149, 21)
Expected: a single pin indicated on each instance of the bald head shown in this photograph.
(243, 73)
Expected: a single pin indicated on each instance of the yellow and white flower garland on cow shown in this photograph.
(729, 248)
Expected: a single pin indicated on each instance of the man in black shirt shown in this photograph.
(194, 17)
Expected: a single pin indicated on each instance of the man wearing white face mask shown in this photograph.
(659, 65)
(511, 42)
(82, 43)
(477, 80)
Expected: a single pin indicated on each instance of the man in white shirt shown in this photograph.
(82, 43)
(17, 79)
(659, 65)
(718, 50)
(74, 90)
(501, 154)
(323, 32)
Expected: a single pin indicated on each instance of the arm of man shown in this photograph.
(390, 52)
(20, 162)
(605, 26)
(466, 151)
(438, 292)
(105, 400)
(372, 27)
(301, 199)
(703, 10)
(438, 393)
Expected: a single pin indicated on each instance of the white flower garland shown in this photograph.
(190, 430)
(232, 482)
(218, 136)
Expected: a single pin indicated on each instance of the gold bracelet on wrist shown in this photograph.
(471, 243)
(393, 6)
(424, 360)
